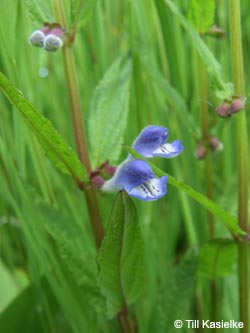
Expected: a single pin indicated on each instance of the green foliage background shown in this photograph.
(137, 64)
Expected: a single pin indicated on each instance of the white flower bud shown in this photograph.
(37, 38)
(52, 43)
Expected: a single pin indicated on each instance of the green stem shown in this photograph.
(136, 81)
(74, 25)
(73, 90)
(208, 172)
(226, 218)
(186, 207)
(59, 12)
(125, 321)
(205, 139)
(188, 218)
(75, 106)
(78, 125)
(242, 159)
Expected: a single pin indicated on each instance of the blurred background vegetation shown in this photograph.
(48, 257)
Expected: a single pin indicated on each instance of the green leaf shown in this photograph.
(175, 297)
(38, 11)
(29, 311)
(78, 260)
(121, 257)
(57, 150)
(10, 285)
(108, 112)
(182, 282)
(217, 258)
(201, 14)
(222, 90)
(227, 219)
(22, 315)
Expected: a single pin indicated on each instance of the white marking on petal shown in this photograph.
(166, 148)
(148, 190)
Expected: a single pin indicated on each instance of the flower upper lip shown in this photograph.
(151, 142)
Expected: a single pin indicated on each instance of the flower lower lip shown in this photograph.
(151, 190)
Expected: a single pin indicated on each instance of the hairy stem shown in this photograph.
(78, 125)
(242, 160)
(75, 106)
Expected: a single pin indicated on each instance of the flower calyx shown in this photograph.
(216, 32)
(230, 106)
(50, 37)
(202, 148)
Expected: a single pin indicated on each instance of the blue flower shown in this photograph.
(151, 142)
(138, 180)
(136, 176)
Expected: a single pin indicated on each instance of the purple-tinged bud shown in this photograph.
(97, 180)
(223, 110)
(58, 32)
(45, 29)
(237, 104)
(229, 107)
(215, 144)
(52, 43)
(201, 151)
(108, 169)
(216, 32)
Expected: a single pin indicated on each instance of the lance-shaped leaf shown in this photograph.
(108, 112)
(217, 258)
(121, 259)
(57, 150)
